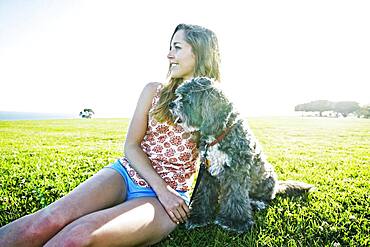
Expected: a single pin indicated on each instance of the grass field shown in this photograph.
(40, 161)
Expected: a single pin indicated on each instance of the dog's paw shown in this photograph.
(191, 225)
(234, 225)
(258, 205)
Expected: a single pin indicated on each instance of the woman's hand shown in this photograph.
(174, 205)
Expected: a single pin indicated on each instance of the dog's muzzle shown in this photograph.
(178, 120)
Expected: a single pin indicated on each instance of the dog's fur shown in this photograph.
(239, 177)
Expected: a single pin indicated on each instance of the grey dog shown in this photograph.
(239, 178)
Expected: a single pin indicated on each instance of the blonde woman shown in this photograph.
(143, 196)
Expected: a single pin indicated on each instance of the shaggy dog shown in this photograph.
(239, 178)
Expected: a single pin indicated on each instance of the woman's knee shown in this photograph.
(78, 236)
(39, 225)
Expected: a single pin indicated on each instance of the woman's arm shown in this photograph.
(171, 201)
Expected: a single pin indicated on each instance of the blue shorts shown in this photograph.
(134, 190)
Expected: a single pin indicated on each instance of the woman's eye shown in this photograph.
(177, 47)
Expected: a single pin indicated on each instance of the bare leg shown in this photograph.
(104, 189)
(141, 221)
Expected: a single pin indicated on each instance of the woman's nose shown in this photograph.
(170, 55)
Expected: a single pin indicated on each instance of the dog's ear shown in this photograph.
(203, 82)
(216, 110)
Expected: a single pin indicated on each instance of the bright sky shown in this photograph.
(63, 56)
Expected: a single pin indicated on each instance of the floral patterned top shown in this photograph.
(172, 152)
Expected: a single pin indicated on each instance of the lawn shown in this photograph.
(42, 160)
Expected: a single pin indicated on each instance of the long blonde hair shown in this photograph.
(204, 46)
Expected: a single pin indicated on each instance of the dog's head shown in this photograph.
(200, 106)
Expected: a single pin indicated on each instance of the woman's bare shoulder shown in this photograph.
(149, 91)
(153, 85)
(150, 88)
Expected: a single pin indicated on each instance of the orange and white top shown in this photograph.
(172, 152)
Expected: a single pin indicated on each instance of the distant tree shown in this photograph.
(315, 106)
(346, 107)
(86, 113)
(364, 111)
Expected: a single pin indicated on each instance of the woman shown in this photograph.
(141, 198)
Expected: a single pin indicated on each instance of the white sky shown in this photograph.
(63, 56)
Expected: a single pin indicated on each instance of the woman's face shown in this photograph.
(181, 57)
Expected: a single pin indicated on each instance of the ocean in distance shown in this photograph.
(10, 115)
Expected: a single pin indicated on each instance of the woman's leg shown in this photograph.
(105, 189)
(141, 221)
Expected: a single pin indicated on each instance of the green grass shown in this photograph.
(43, 160)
